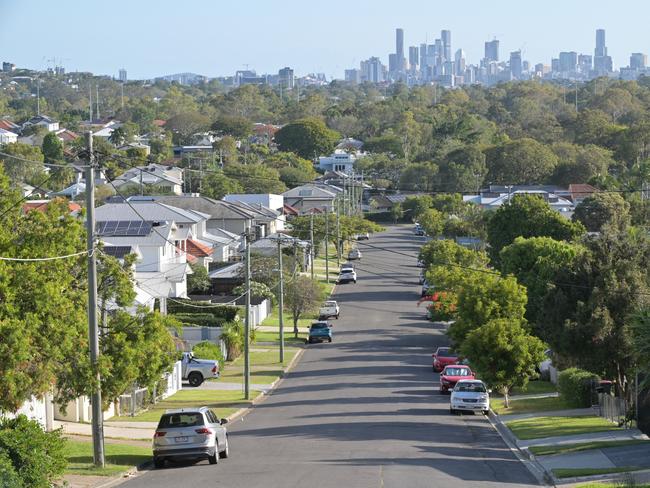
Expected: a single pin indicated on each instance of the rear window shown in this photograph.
(445, 352)
(319, 326)
(470, 387)
(172, 420)
(456, 371)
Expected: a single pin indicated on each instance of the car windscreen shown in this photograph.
(446, 353)
(330, 304)
(470, 387)
(172, 420)
(456, 372)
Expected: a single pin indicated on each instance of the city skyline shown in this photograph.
(153, 40)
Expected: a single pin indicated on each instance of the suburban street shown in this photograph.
(363, 411)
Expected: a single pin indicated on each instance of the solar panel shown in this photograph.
(117, 251)
(133, 228)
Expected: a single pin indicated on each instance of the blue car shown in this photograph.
(320, 332)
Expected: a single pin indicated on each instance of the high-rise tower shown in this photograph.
(445, 35)
(602, 62)
(399, 49)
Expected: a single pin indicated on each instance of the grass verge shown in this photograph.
(610, 485)
(582, 446)
(223, 402)
(536, 387)
(119, 458)
(575, 472)
(274, 337)
(540, 427)
(273, 320)
(528, 405)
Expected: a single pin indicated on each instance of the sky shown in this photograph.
(216, 37)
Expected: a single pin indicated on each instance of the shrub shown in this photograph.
(226, 312)
(208, 350)
(8, 476)
(200, 319)
(232, 334)
(575, 387)
(36, 456)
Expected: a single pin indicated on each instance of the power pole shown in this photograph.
(327, 238)
(311, 248)
(97, 99)
(338, 233)
(93, 333)
(247, 323)
(122, 93)
(281, 300)
(90, 101)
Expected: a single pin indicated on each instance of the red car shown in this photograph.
(442, 357)
(452, 374)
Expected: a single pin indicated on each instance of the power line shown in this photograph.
(25, 197)
(20, 158)
(53, 258)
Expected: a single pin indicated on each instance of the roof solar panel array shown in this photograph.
(132, 228)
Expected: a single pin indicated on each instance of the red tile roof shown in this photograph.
(41, 205)
(197, 249)
(68, 135)
(581, 191)
(159, 122)
(8, 125)
(289, 210)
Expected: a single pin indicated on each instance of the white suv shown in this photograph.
(190, 433)
(470, 395)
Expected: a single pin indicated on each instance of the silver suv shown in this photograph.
(190, 433)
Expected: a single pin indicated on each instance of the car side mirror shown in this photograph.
(223, 421)
(489, 391)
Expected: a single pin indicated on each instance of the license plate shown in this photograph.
(179, 440)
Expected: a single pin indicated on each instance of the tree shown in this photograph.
(640, 328)
(416, 206)
(432, 221)
(603, 209)
(118, 137)
(580, 164)
(419, 177)
(307, 138)
(185, 124)
(198, 281)
(52, 148)
(503, 354)
(389, 143)
(519, 162)
(255, 178)
(535, 262)
(302, 295)
(464, 169)
(217, 185)
(233, 125)
(20, 171)
(528, 216)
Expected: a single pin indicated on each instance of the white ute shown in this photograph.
(329, 309)
(195, 371)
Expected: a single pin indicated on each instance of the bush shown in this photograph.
(232, 334)
(575, 387)
(37, 457)
(226, 312)
(200, 319)
(208, 350)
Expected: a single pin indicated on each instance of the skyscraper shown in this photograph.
(492, 51)
(445, 35)
(568, 62)
(460, 62)
(413, 57)
(399, 49)
(515, 65)
(123, 75)
(602, 62)
(638, 61)
(286, 78)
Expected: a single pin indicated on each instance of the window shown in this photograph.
(173, 420)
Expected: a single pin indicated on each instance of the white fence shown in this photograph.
(259, 313)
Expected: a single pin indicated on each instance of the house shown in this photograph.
(495, 196)
(41, 206)
(79, 186)
(578, 192)
(7, 137)
(42, 121)
(106, 129)
(162, 268)
(145, 148)
(269, 200)
(267, 221)
(267, 206)
(225, 278)
(66, 135)
(338, 161)
(304, 198)
(268, 246)
(9, 125)
(350, 145)
(168, 179)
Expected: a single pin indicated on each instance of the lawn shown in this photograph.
(528, 405)
(265, 366)
(575, 472)
(540, 427)
(535, 388)
(223, 402)
(583, 446)
(609, 485)
(273, 320)
(274, 337)
(119, 458)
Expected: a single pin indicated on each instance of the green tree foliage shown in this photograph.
(419, 177)
(580, 164)
(432, 221)
(20, 171)
(185, 124)
(388, 143)
(535, 262)
(255, 178)
(603, 209)
(217, 185)
(198, 281)
(503, 354)
(52, 148)
(463, 170)
(233, 125)
(415, 207)
(302, 295)
(308, 138)
(640, 329)
(522, 161)
(528, 216)
(208, 350)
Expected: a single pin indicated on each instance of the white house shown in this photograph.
(107, 129)
(7, 137)
(338, 161)
(491, 200)
(269, 200)
(310, 197)
(42, 121)
(168, 178)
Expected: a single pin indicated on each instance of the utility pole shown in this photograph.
(93, 332)
(281, 300)
(122, 94)
(247, 323)
(327, 238)
(338, 233)
(90, 101)
(38, 96)
(97, 100)
(311, 247)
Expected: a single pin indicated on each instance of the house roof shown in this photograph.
(289, 210)
(159, 122)
(147, 209)
(580, 191)
(41, 205)
(231, 271)
(310, 191)
(197, 249)
(66, 135)
(6, 132)
(117, 251)
(8, 125)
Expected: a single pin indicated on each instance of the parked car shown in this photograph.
(422, 277)
(443, 357)
(190, 433)
(425, 288)
(362, 237)
(354, 254)
(470, 395)
(420, 263)
(347, 267)
(319, 332)
(195, 371)
(452, 374)
(345, 276)
(329, 309)
(418, 231)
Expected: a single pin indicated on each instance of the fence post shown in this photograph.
(133, 402)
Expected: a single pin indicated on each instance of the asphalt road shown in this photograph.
(363, 411)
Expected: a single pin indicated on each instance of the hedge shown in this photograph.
(575, 387)
(200, 319)
(208, 350)
(225, 312)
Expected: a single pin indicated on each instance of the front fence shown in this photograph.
(612, 408)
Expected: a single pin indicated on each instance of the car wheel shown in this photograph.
(486, 412)
(329, 340)
(225, 454)
(442, 391)
(214, 459)
(159, 463)
(337, 317)
(452, 411)
(310, 340)
(355, 282)
(195, 378)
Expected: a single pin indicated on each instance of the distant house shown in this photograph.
(106, 129)
(495, 196)
(41, 206)
(579, 192)
(167, 178)
(338, 161)
(267, 206)
(9, 125)
(66, 135)
(7, 137)
(42, 121)
(304, 198)
(269, 200)
(146, 149)
(349, 144)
